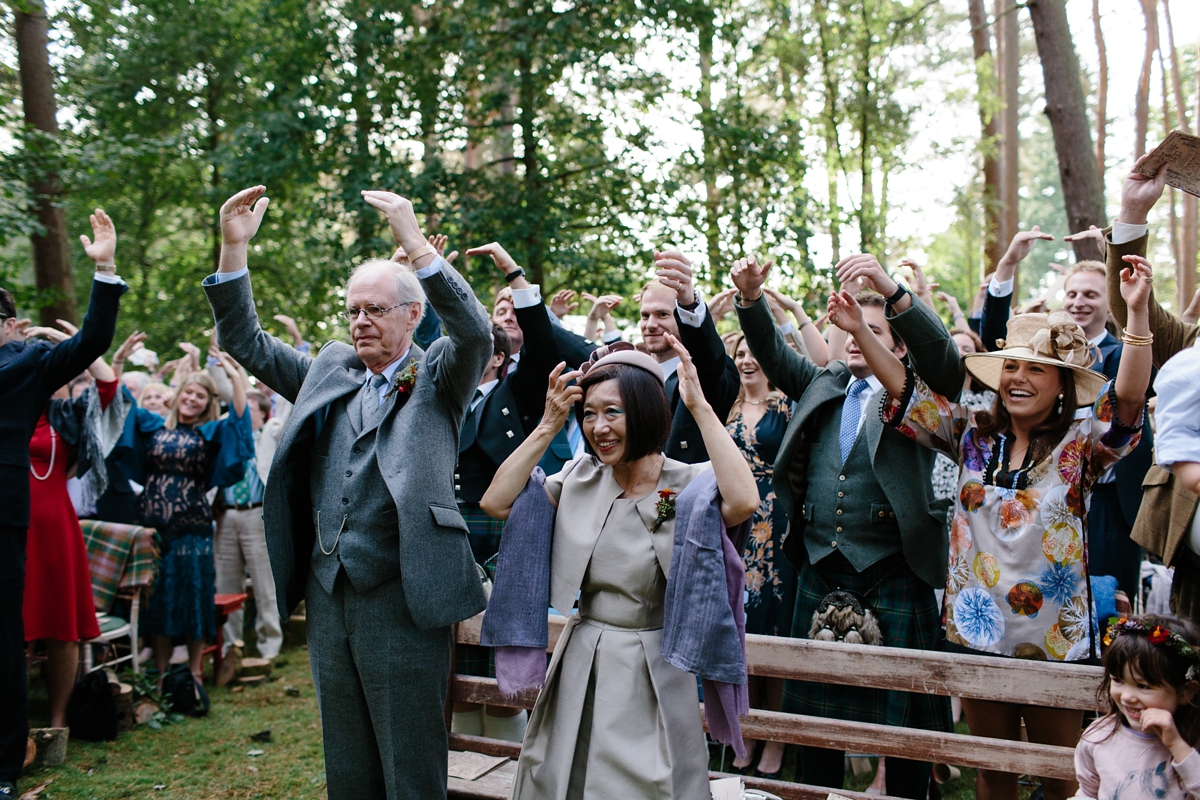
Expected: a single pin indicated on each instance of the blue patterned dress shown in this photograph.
(770, 577)
(177, 467)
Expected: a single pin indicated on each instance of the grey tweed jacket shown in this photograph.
(416, 445)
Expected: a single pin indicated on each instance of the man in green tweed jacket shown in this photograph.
(860, 503)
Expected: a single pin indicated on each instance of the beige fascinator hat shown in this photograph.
(622, 353)
(1053, 339)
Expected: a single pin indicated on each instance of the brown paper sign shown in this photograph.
(1182, 152)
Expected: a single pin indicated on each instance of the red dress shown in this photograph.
(58, 600)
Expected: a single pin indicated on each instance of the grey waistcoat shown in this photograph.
(349, 492)
(846, 508)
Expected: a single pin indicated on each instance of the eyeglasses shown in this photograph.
(372, 311)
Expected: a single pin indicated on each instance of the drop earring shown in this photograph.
(1059, 409)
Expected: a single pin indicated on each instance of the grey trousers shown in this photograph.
(241, 547)
(381, 687)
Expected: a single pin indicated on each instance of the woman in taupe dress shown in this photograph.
(614, 719)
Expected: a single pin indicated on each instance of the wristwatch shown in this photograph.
(899, 293)
(509, 277)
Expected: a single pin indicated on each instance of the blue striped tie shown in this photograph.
(851, 412)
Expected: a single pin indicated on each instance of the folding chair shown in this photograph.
(123, 560)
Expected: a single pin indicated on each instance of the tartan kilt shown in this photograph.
(908, 617)
(484, 533)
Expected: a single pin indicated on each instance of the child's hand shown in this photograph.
(1161, 723)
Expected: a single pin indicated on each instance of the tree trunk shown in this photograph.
(1101, 90)
(981, 41)
(51, 252)
(1188, 246)
(1008, 44)
(534, 191)
(833, 148)
(1067, 109)
(1141, 110)
(712, 221)
(1168, 125)
(367, 219)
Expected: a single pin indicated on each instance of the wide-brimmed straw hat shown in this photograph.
(1052, 339)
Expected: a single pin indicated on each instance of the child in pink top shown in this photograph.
(1144, 748)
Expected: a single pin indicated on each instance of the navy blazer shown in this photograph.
(31, 371)
(993, 324)
(502, 420)
(719, 379)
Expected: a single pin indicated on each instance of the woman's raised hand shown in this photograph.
(689, 381)
(1136, 282)
(561, 395)
(131, 345)
(844, 311)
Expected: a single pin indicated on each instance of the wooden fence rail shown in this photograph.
(1030, 683)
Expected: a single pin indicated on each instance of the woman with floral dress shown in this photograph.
(1018, 583)
(178, 460)
(757, 422)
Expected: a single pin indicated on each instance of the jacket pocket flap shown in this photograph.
(882, 512)
(448, 517)
(1157, 476)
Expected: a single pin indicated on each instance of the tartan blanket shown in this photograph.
(120, 557)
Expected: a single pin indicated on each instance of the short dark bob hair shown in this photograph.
(647, 414)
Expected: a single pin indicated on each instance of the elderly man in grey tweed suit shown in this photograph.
(359, 510)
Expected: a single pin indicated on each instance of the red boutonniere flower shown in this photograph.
(404, 380)
(665, 507)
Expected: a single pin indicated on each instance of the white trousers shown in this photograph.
(241, 547)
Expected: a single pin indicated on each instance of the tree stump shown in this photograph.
(295, 631)
(252, 667)
(144, 711)
(252, 680)
(125, 706)
(51, 746)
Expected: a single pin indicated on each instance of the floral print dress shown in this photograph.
(770, 577)
(1018, 581)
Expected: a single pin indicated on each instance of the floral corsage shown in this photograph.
(404, 381)
(665, 507)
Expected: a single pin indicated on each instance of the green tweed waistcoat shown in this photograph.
(845, 507)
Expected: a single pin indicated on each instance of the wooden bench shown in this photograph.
(1031, 683)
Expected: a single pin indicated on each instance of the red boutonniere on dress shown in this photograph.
(665, 507)
(404, 381)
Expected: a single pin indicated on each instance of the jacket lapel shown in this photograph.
(395, 401)
(573, 550)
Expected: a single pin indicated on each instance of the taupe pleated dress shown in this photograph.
(614, 719)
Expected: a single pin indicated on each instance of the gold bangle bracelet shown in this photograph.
(1133, 340)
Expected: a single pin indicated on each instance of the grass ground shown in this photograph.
(198, 759)
(215, 757)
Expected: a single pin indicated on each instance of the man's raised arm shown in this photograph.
(468, 327)
(277, 364)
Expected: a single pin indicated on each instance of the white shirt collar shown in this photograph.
(669, 366)
(390, 370)
(1095, 342)
(873, 386)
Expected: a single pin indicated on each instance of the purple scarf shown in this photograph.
(704, 625)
